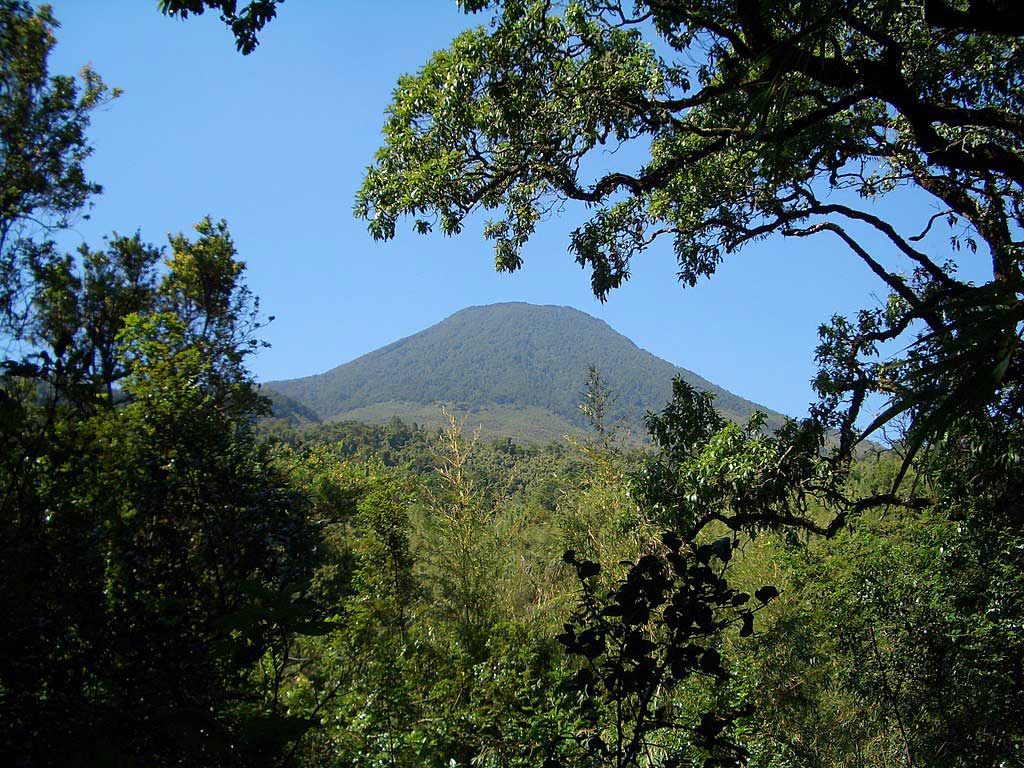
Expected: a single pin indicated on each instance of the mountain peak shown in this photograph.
(507, 358)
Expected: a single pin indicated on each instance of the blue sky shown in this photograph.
(277, 142)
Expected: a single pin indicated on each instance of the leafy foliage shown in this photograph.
(751, 113)
(152, 556)
(245, 24)
(650, 634)
(43, 119)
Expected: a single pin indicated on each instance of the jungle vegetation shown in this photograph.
(180, 589)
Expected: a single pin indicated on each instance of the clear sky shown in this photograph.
(276, 143)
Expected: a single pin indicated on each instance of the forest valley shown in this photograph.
(187, 583)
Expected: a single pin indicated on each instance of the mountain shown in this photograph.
(515, 369)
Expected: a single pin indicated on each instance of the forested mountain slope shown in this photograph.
(507, 359)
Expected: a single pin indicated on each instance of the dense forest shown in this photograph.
(184, 584)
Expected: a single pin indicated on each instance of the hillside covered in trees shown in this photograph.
(520, 368)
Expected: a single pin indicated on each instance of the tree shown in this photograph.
(152, 557)
(43, 119)
(792, 121)
(153, 563)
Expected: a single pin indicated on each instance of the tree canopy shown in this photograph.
(43, 123)
(758, 119)
(154, 564)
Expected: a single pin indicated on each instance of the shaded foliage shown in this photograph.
(648, 636)
(152, 555)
